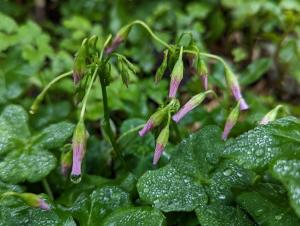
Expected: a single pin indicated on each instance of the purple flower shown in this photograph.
(236, 92)
(183, 111)
(161, 143)
(235, 88)
(79, 148)
(174, 86)
(228, 126)
(147, 127)
(176, 75)
(157, 153)
(190, 105)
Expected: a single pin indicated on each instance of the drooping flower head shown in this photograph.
(79, 147)
(271, 115)
(231, 121)
(153, 121)
(190, 105)
(161, 143)
(119, 38)
(235, 88)
(176, 75)
(79, 65)
(202, 72)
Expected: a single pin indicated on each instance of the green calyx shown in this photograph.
(177, 72)
(162, 68)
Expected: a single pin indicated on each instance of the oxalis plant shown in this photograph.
(90, 63)
(249, 180)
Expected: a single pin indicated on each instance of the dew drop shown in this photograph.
(259, 152)
(227, 172)
(75, 178)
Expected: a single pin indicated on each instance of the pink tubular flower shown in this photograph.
(235, 88)
(148, 126)
(176, 75)
(161, 143)
(79, 148)
(190, 105)
(231, 121)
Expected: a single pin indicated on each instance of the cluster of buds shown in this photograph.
(30, 199)
(79, 148)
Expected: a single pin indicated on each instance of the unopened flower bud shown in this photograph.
(153, 121)
(231, 121)
(162, 68)
(66, 162)
(202, 72)
(79, 65)
(120, 37)
(30, 199)
(161, 143)
(176, 75)
(79, 148)
(124, 71)
(190, 105)
(235, 88)
(271, 115)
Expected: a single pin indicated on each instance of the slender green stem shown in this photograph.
(47, 188)
(107, 125)
(154, 36)
(64, 75)
(87, 94)
(212, 56)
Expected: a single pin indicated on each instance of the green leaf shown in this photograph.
(227, 176)
(288, 172)
(31, 165)
(91, 209)
(168, 190)
(197, 155)
(266, 212)
(219, 215)
(21, 214)
(264, 144)
(255, 70)
(55, 135)
(7, 24)
(142, 216)
(13, 128)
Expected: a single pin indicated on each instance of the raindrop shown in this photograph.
(75, 178)
(227, 172)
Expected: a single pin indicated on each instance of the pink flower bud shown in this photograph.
(176, 75)
(120, 37)
(79, 148)
(271, 115)
(231, 121)
(203, 72)
(190, 105)
(153, 121)
(66, 162)
(235, 88)
(161, 143)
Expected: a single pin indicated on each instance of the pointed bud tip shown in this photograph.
(157, 153)
(243, 104)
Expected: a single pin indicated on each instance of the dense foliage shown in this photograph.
(135, 137)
